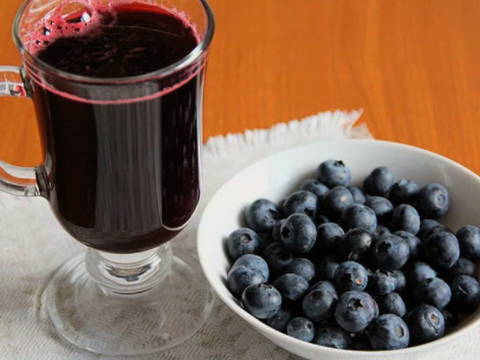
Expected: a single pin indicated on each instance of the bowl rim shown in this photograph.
(264, 328)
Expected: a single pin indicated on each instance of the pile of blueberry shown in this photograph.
(348, 268)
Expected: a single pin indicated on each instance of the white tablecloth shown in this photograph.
(33, 244)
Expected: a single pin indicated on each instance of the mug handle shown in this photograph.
(17, 180)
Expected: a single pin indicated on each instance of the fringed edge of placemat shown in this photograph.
(329, 124)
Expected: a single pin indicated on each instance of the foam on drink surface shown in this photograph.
(79, 17)
(115, 39)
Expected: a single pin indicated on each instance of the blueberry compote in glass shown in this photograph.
(125, 175)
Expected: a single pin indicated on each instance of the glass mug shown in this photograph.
(121, 174)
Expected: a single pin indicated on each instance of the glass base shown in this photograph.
(95, 318)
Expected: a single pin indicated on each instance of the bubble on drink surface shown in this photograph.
(84, 17)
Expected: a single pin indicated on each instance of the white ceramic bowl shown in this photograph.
(276, 176)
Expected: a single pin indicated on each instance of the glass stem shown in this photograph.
(129, 274)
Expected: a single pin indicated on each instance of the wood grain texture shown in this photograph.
(412, 65)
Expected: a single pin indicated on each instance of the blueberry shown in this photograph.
(404, 191)
(321, 219)
(356, 244)
(392, 303)
(434, 291)
(262, 300)
(465, 293)
(336, 200)
(442, 249)
(400, 280)
(302, 267)
(405, 217)
(379, 181)
(427, 226)
(243, 241)
(241, 277)
(301, 202)
(315, 187)
(329, 236)
(462, 267)
(262, 215)
(433, 201)
(301, 328)
(280, 320)
(351, 275)
(276, 256)
(359, 216)
(382, 282)
(355, 310)
(390, 252)
(298, 234)
(358, 195)
(381, 230)
(382, 207)
(254, 262)
(426, 323)
(388, 332)
(420, 271)
(413, 242)
(332, 336)
(451, 319)
(291, 286)
(325, 268)
(469, 239)
(333, 173)
(276, 230)
(325, 285)
(319, 303)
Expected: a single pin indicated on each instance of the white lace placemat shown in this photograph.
(33, 244)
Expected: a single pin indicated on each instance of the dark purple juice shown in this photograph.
(124, 176)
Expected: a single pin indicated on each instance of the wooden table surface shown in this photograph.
(412, 65)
